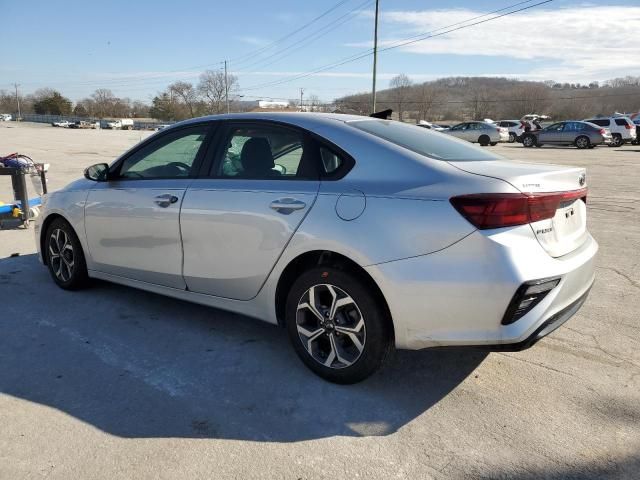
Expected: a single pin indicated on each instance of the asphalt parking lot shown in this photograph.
(112, 382)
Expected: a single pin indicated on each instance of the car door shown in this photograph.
(237, 222)
(459, 130)
(132, 220)
(551, 134)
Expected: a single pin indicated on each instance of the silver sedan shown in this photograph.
(484, 133)
(355, 234)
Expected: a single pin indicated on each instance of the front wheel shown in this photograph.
(337, 327)
(64, 256)
(512, 137)
(582, 142)
(528, 141)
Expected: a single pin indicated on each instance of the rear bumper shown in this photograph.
(547, 327)
(459, 295)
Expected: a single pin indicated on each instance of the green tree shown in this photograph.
(53, 104)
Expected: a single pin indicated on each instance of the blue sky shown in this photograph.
(136, 48)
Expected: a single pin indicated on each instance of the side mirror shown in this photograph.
(97, 172)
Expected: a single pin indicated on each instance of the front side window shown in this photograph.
(170, 156)
(556, 127)
(265, 152)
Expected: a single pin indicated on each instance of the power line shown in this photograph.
(294, 47)
(424, 36)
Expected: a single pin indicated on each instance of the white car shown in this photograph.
(355, 234)
(622, 129)
(5, 117)
(431, 126)
(484, 133)
(62, 124)
(514, 127)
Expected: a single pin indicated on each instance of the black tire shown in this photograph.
(529, 141)
(484, 140)
(69, 269)
(493, 144)
(512, 137)
(616, 141)
(365, 313)
(582, 142)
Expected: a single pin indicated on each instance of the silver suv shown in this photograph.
(622, 129)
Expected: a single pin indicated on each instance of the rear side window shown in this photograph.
(600, 122)
(622, 122)
(331, 161)
(429, 143)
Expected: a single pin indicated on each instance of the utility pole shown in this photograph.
(301, 93)
(226, 86)
(375, 57)
(17, 101)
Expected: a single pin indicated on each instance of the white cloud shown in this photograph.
(580, 43)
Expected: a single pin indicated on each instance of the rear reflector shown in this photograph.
(528, 295)
(496, 210)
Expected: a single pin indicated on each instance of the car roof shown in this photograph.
(308, 120)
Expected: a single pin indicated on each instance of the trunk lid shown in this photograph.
(567, 230)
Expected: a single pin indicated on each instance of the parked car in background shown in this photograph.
(81, 124)
(580, 134)
(278, 216)
(5, 117)
(622, 129)
(484, 133)
(61, 123)
(636, 122)
(431, 126)
(121, 124)
(514, 127)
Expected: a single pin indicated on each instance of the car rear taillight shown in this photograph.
(497, 210)
(628, 127)
(602, 131)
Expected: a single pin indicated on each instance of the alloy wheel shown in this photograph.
(330, 326)
(582, 142)
(61, 255)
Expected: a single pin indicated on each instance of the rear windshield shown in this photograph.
(429, 143)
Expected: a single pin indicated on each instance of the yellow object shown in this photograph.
(16, 212)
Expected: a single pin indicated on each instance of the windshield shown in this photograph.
(425, 142)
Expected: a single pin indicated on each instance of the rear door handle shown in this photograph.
(165, 200)
(287, 205)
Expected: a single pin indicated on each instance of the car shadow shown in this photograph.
(136, 364)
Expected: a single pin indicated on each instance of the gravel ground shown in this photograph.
(113, 382)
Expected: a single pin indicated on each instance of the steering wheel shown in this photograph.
(182, 167)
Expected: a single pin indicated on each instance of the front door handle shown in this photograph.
(287, 205)
(165, 200)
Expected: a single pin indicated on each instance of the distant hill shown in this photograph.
(466, 98)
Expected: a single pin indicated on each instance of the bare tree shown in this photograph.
(478, 104)
(187, 94)
(428, 96)
(104, 100)
(212, 87)
(401, 87)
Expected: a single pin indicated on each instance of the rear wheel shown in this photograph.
(64, 256)
(337, 327)
(582, 142)
(512, 137)
(616, 141)
(484, 140)
(528, 141)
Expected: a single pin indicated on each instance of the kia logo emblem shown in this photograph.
(582, 179)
